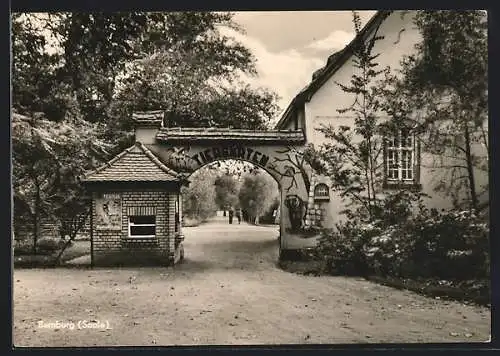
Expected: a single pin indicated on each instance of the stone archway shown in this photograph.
(278, 152)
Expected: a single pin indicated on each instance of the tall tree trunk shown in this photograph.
(470, 169)
(36, 216)
(77, 223)
(368, 168)
(35, 229)
(371, 182)
(367, 177)
(485, 139)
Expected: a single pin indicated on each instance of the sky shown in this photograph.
(290, 45)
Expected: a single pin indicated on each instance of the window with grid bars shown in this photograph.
(321, 192)
(400, 157)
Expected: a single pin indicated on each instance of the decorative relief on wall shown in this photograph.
(293, 162)
(212, 154)
(109, 212)
(288, 165)
(180, 158)
(296, 212)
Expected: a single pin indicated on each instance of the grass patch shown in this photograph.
(77, 249)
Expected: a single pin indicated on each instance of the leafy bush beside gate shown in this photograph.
(450, 245)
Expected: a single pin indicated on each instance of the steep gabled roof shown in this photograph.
(135, 164)
(335, 61)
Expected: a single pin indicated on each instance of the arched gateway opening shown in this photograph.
(136, 197)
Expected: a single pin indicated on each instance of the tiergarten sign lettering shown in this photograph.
(231, 152)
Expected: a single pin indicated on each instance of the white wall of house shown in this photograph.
(323, 106)
(400, 36)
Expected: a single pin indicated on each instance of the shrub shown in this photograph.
(398, 208)
(387, 252)
(405, 239)
(453, 244)
(49, 245)
(448, 245)
(22, 247)
(341, 249)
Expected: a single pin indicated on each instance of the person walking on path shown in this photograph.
(231, 213)
(238, 215)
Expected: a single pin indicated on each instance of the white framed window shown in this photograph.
(141, 226)
(400, 157)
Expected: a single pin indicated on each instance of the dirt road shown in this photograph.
(228, 291)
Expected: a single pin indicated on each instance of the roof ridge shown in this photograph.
(326, 69)
(150, 155)
(156, 160)
(110, 162)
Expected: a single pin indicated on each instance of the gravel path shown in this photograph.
(228, 292)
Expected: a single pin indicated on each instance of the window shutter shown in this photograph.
(141, 210)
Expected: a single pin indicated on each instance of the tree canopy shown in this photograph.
(77, 78)
(226, 190)
(199, 198)
(257, 194)
(111, 64)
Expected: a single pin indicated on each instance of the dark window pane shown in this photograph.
(142, 230)
(394, 174)
(147, 219)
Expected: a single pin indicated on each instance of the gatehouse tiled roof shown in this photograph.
(135, 164)
(169, 134)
